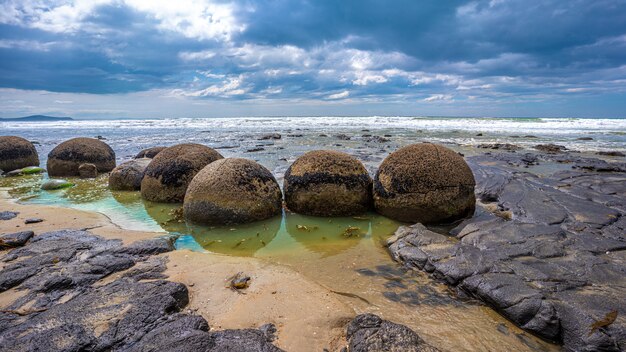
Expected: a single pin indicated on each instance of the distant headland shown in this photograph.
(37, 118)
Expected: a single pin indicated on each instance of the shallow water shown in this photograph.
(345, 255)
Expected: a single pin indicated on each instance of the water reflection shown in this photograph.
(239, 240)
(327, 236)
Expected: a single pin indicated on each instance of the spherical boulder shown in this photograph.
(66, 158)
(17, 153)
(232, 191)
(327, 183)
(169, 173)
(127, 176)
(149, 153)
(424, 183)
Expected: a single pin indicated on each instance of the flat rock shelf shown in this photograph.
(549, 252)
(69, 303)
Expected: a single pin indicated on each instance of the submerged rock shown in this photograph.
(270, 136)
(170, 172)
(51, 185)
(502, 146)
(425, 183)
(369, 333)
(327, 183)
(16, 153)
(149, 153)
(65, 159)
(231, 191)
(29, 170)
(553, 265)
(611, 153)
(128, 176)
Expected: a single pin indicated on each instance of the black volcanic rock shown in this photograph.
(546, 252)
(61, 307)
(370, 333)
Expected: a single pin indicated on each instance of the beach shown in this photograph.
(311, 284)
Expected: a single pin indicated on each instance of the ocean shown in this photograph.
(237, 135)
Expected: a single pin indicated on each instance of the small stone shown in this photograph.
(8, 215)
(33, 221)
(87, 171)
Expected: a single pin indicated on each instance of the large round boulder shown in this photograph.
(127, 176)
(424, 183)
(169, 173)
(232, 191)
(17, 153)
(66, 158)
(327, 183)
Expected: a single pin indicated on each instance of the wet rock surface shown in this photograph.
(17, 239)
(548, 252)
(503, 146)
(63, 306)
(370, 333)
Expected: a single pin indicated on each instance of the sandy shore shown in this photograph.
(307, 316)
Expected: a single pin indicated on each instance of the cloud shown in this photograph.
(340, 95)
(438, 97)
(488, 51)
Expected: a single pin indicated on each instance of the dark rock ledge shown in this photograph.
(62, 306)
(550, 254)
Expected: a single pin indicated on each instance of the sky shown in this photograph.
(212, 58)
